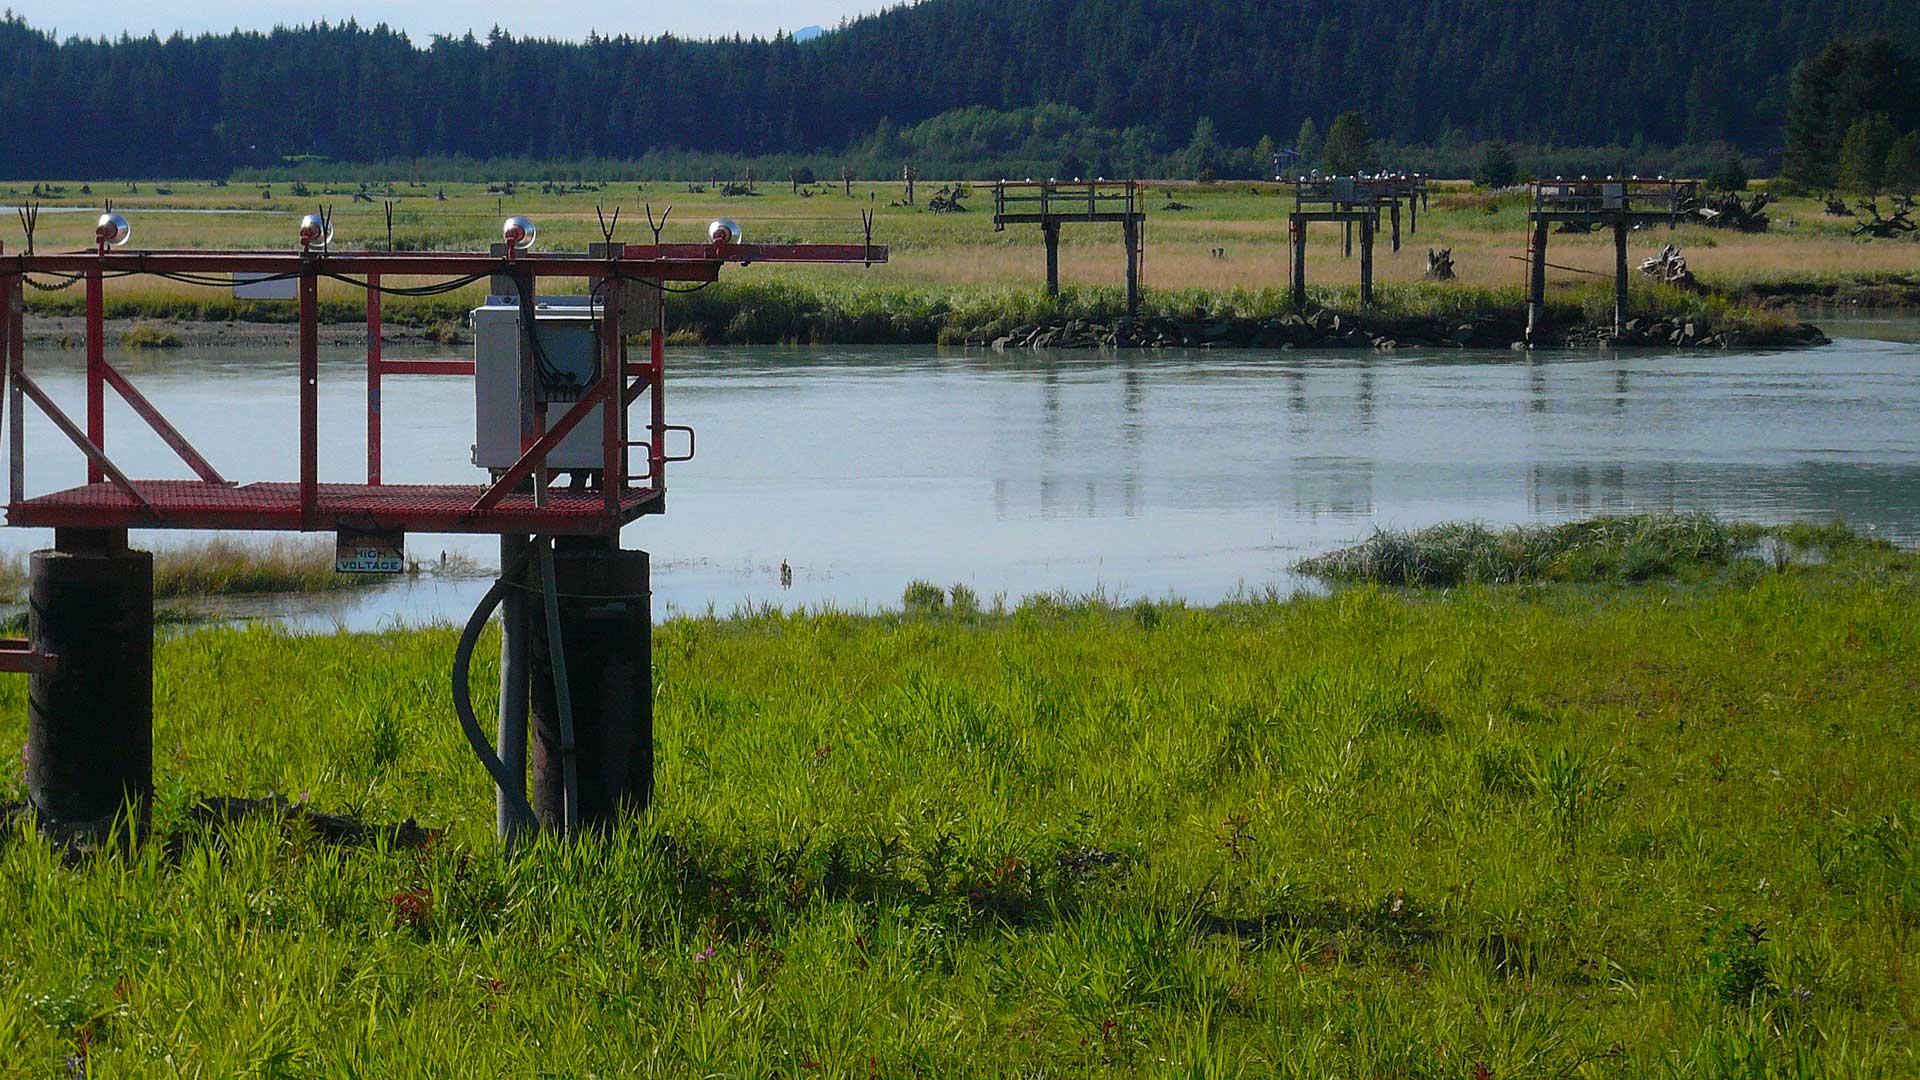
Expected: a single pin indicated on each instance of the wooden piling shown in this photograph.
(1537, 283)
(1297, 231)
(90, 717)
(1366, 262)
(1051, 230)
(1393, 212)
(1130, 233)
(1619, 276)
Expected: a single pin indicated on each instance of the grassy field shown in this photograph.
(1230, 242)
(1660, 829)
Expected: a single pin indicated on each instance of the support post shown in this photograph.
(1393, 213)
(309, 397)
(90, 717)
(373, 377)
(1537, 283)
(1413, 214)
(657, 401)
(1619, 275)
(1130, 234)
(1346, 241)
(515, 651)
(96, 373)
(1298, 229)
(613, 436)
(16, 366)
(606, 628)
(1366, 262)
(1051, 229)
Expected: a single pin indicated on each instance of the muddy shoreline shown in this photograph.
(69, 331)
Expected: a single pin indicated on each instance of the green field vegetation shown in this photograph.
(1669, 828)
(953, 272)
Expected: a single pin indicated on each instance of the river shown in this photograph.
(1195, 474)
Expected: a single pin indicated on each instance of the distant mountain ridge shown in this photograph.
(1551, 71)
(808, 33)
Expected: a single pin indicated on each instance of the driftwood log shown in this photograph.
(1440, 264)
(950, 200)
(1730, 211)
(1670, 267)
(1869, 223)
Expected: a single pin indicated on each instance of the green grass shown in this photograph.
(1662, 829)
(1629, 548)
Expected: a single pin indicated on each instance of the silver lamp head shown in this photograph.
(315, 231)
(724, 232)
(519, 233)
(112, 230)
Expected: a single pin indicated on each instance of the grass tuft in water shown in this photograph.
(1628, 548)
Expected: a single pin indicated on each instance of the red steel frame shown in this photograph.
(112, 500)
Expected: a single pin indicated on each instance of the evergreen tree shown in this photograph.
(1307, 145)
(1730, 174)
(1264, 152)
(1496, 168)
(1202, 158)
(1864, 153)
(1902, 173)
(1349, 147)
(1847, 82)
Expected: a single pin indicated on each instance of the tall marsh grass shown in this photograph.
(225, 567)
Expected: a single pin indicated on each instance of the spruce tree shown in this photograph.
(1864, 153)
(1349, 144)
(1496, 168)
(1902, 173)
(1307, 144)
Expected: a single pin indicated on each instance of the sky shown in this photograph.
(423, 18)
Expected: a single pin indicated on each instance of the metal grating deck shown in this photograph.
(425, 508)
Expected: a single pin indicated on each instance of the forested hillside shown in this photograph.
(1554, 71)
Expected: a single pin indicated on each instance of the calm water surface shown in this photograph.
(1188, 473)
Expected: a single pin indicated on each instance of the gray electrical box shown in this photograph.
(569, 339)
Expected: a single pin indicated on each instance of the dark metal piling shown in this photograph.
(606, 631)
(90, 717)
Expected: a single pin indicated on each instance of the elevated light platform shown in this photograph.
(427, 508)
(627, 479)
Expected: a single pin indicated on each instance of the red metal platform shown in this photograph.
(433, 508)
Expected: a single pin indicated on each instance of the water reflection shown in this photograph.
(1193, 473)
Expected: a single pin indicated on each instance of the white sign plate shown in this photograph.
(251, 286)
(370, 552)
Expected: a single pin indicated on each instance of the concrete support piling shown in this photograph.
(515, 654)
(90, 718)
(606, 630)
